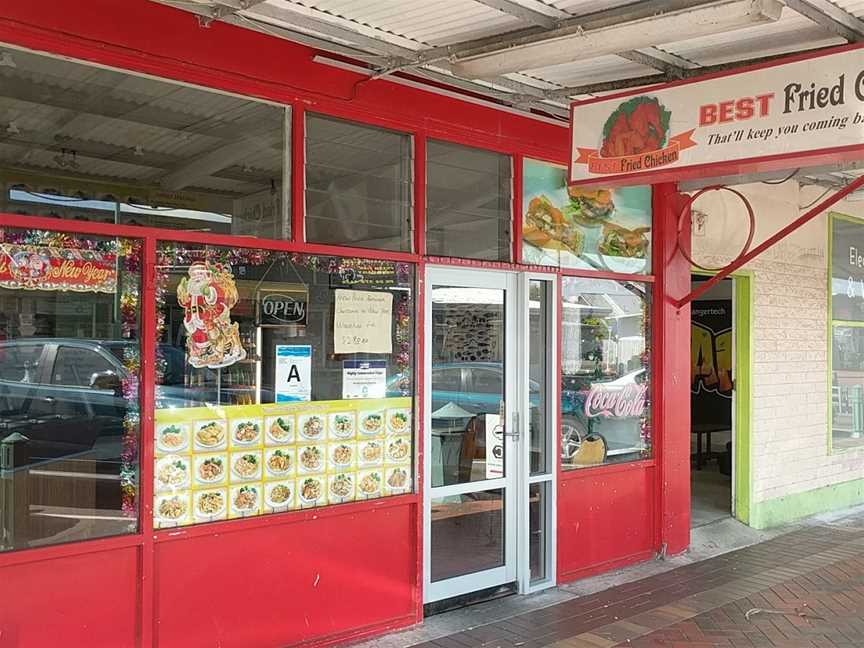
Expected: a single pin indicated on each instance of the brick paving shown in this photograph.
(802, 589)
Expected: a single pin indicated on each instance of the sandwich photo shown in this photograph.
(619, 241)
(589, 207)
(546, 227)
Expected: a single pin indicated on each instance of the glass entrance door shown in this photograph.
(472, 440)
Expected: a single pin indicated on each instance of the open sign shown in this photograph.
(282, 308)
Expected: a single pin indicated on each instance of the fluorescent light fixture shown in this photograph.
(572, 44)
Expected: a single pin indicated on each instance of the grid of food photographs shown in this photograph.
(219, 463)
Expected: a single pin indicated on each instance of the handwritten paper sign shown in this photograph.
(362, 322)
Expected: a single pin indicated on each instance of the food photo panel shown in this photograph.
(397, 480)
(311, 491)
(279, 463)
(340, 488)
(245, 501)
(341, 456)
(211, 469)
(172, 438)
(279, 496)
(245, 466)
(279, 430)
(342, 426)
(371, 424)
(246, 432)
(312, 427)
(210, 505)
(210, 435)
(173, 472)
(171, 509)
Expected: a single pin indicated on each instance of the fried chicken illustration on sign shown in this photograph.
(207, 296)
(638, 126)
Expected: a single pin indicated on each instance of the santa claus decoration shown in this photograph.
(207, 297)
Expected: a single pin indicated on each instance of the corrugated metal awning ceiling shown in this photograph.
(445, 39)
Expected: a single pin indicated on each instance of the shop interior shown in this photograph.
(711, 403)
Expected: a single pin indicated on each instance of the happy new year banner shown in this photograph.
(36, 267)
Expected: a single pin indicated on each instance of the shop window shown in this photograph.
(847, 332)
(358, 185)
(69, 398)
(87, 143)
(284, 381)
(571, 227)
(605, 374)
(468, 202)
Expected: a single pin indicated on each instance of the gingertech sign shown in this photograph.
(780, 111)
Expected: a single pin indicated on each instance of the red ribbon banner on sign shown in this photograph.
(636, 162)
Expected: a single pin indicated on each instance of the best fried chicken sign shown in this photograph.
(785, 112)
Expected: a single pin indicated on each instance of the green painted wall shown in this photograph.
(772, 513)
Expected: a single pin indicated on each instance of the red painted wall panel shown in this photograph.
(605, 516)
(43, 604)
(284, 584)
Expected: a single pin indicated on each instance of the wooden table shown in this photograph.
(706, 429)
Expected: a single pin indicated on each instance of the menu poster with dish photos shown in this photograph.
(574, 227)
(219, 463)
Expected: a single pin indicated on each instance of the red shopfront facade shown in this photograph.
(323, 575)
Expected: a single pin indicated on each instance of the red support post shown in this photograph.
(671, 362)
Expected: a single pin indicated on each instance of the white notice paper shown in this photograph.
(362, 322)
(364, 379)
(494, 446)
(293, 373)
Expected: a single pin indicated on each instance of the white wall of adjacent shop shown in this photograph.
(794, 472)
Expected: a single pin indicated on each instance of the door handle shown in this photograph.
(500, 431)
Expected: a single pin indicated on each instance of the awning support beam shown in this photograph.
(770, 241)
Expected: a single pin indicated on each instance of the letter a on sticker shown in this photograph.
(294, 374)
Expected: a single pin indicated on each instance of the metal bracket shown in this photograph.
(704, 286)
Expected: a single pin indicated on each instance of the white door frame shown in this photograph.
(548, 477)
(498, 280)
(517, 481)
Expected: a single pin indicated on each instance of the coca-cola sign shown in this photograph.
(617, 401)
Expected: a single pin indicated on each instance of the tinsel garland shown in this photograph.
(58, 240)
(129, 252)
(645, 432)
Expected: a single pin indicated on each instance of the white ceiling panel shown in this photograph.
(594, 70)
(442, 22)
(792, 33)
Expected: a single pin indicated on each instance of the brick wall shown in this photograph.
(790, 433)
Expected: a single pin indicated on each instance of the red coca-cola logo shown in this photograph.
(617, 402)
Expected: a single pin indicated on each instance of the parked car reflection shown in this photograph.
(66, 395)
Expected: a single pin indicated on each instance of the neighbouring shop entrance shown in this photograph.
(712, 385)
(488, 494)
